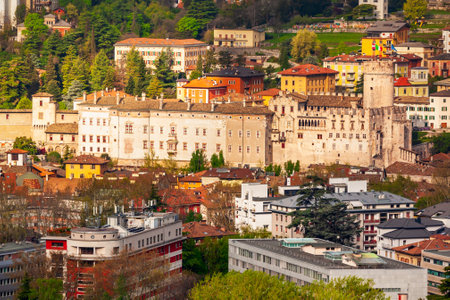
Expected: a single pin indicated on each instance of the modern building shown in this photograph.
(130, 233)
(381, 7)
(425, 51)
(308, 79)
(438, 65)
(239, 79)
(382, 35)
(326, 129)
(412, 253)
(238, 38)
(440, 114)
(446, 39)
(303, 261)
(402, 231)
(201, 90)
(85, 166)
(185, 52)
(10, 257)
(435, 261)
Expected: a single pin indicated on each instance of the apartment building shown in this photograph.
(201, 90)
(304, 260)
(412, 253)
(435, 261)
(10, 255)
(238, 38)
(414, 86)
(446, 39)
(129, 233)
(425, 51)
(85, 166)
(418, 109)
(185, 52)
(381, 7)
(239, 80)
(307, 79)
(439, 65)
(381, 35)
(439, 115)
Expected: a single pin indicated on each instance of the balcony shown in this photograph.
(370, 232)
(173, 135)
(371, 221)
(371, 242)
(224, 39)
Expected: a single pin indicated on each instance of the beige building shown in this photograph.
(327, 129)
(423, 50)
(62, 137)
(239, 38)
(435, 261)
(184, 52)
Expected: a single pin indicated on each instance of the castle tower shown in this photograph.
(378, 84)
(44, 114)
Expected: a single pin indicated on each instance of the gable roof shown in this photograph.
(408, 233)
(196, 177)
(69, 128)
(404, 168)
(416, 248)
(17, 151)
(402, 81)
(442, 56)
(306, 70)
(204, 83)
(270, 92)
(405, 223)
(86, 160)
(386, 26)
(197, 230)
(229, 174)
(437, 210)
(159, 42)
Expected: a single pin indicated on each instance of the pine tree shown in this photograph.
(25, 288)
(110, 78)
(53, 88)
(202, 10)
(75, 91)
(163, 70)
(225, 59)
(24, 103)
(198, 72)
(198, 161)
(67, 66)
(51, 72)
(136, 73)
(210, 61)
(154, 88)
(99, 70)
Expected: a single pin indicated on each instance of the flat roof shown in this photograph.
(445, 253)
(276, 247)
(19, 247)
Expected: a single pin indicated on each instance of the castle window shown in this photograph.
(300, 135)
(73, 138)
(7, 116)
(51, 137)
(62, 117)
(229, 148)
(319, 136)
(40, 103)
(61, 137)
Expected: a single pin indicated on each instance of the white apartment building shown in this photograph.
(381, 7)
(418, 109)
(7, 12)
(446, 39)
(345, 185)
(131, 233)
(304, 260)
(439, 104)
(185, 52)
(252, 208)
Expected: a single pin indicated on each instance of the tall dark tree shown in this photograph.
(323, 217)
(202, 10)
(225, 59)
(35, 33)
(198, 161)
(163, 70)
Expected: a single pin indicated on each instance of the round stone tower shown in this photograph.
(378, 84)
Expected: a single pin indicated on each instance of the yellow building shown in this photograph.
(267, 95)
(415, 86)
(381, 35)
(191, 181)
(443, 85)
(85, 166)
(238, 38)
(350, 68)
(308, 79)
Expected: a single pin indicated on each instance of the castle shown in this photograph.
(319, 128)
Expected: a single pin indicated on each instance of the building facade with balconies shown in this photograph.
(128, 233)
(238, 38)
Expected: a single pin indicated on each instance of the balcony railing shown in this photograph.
(371, 242)
(371, 221)
(370, 232)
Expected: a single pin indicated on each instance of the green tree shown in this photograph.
(203, 11)
(349, 288)
(193, 258)
(192, 217)
(246, 285)
(217, 161)
(297, 166)
(26, 144)
(283, 59)
(341, 47)
(14, 82)
(189, 26)
(75, 91)
(54, 45)
(24, 292)
(54, 157)
(47, 289)
(414, 9)
(225, 59)
(198, 72)
(163, 69)
(198, 161)
(24, 103)
(444, 287)
(210, 61)
(363, 11)
(35, 33)
(246, 232)
(323, 217)
(67, 66)
(154, 88)
(311, 59)
(53, 88)
(304, 43)
(20, 13)
(359, 88)
(402, 186)
(99, 70)
(289, 167)
(441, 143)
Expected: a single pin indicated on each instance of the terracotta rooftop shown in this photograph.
(239, 72)
(86, 160)
(180, 197)
(443, 56)
(196, 177)
(405, 169)
(42, 94)
(411, 56)
(402, 81)
(270, 92)
(229, 174)
(332, 101)
(159, 42)
(416, 248)
(411, 100)
(307, 69)
(444, 93)
(108, 99)
(61, 185)
(223, 108)
(199, 230)
(17, 151)
(70, 128)
(204, 83)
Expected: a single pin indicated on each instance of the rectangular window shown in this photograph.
(152, 130)
(91, 138)
(145, 129)
(248, 149)
(229, 148)
(145, 144)
(184, 146)
(61, 137)
(197, 131)
(218, 148)
(161, 145)
(197, 146)
(204, 132)
(230, 133)
(319, 136)
(161, 130)
(204, 146)
(218, 132)
(258, 134)
(184, 131)
(248, 133)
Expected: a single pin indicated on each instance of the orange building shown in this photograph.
(202, 90)
(239, 79)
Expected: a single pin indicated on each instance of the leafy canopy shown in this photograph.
(26, 144)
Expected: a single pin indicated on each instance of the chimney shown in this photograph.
(212, 105)
(188, 104)
(136, 98)
(117, 98)
(243, 102)
(95, 97)
(84, 96)
(143, 96)
(161, 103)
(106, 89)
(102, 93)
(229, 98)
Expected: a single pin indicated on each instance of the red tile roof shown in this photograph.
(198, 230)
(307, 69)
(416, 248)
(176, 198)
(17, 151)
(402, 81)
(203, 83)
(159, 42)
(403, 169)
(229, 174)
(86, 160)
(196, 177)
(269, 92)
